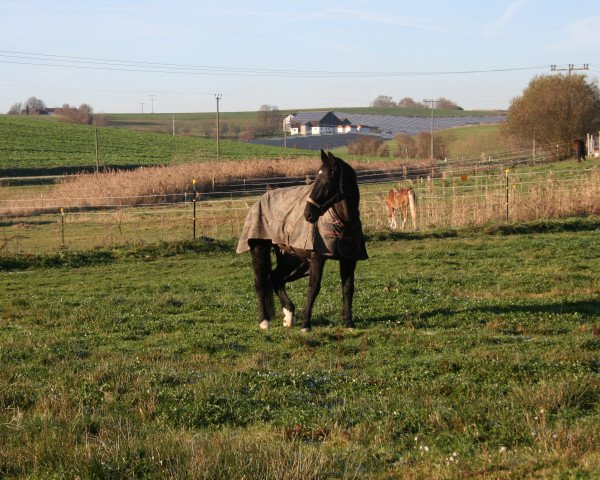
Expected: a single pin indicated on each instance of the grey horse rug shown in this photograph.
(279, 216)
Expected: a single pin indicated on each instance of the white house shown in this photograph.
(319, 123)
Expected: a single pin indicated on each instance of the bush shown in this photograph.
(374, 146)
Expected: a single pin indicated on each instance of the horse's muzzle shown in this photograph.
(311, 213)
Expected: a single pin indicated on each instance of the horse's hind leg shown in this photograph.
(347, 268)
(286, 264)
(261, 261)
(404, 217)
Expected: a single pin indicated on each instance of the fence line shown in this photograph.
(439, 205)
(246, 191)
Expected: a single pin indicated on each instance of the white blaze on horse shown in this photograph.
(404, 200)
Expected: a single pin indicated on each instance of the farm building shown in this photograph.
(320, 123)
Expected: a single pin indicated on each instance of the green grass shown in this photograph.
(41, 145)
(471, 141)
(473, 357)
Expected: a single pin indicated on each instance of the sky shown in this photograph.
(175, 55)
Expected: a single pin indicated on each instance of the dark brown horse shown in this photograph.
(305, 226)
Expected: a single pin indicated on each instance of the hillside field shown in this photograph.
(44, 145)
(474, 357)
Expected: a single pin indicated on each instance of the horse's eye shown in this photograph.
(320, 172)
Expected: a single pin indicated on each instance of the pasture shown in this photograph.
(475, 356)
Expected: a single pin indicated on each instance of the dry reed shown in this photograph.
(159, 185)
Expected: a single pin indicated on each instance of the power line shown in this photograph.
(65, 61)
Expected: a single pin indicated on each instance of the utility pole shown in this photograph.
(142, 104)
(570, 68)
(218, 97)
(152, 103)
(430, 101)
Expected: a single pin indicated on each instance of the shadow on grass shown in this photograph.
(67, 258)
(25, 223)
(539, 226)
(588, 307)
(591, 307)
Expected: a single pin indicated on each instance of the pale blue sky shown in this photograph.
(286, 39)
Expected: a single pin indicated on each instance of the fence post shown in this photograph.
(96, 143)
(194, 206)
(62, 228)
(507, 190)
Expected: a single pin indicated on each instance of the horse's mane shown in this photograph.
(349, 175)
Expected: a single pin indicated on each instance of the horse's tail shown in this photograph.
(412, 203)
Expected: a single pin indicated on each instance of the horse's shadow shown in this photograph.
(588, 307)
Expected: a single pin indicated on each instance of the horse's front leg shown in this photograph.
(315, 275)
(347, 268)
(392, 219)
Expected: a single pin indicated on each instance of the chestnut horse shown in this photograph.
(403, 199)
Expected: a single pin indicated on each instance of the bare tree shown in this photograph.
(16, 109)
(383, 101)
(35, 106)
(367, 145)
(445, 104)
(248, 133)
(555, 110)
(423, 143)
(269, 118)
(408, 102)
(83, 115)
(406, 146)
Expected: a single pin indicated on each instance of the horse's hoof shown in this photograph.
(265, 324)
(288, 318)
(305, 329)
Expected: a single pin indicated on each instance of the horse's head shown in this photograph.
(327, 188)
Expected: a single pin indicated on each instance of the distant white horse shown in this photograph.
(404, 200)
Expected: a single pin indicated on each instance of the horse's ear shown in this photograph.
(331, 158)
(323, 156)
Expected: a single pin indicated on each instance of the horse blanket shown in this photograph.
(279, 216)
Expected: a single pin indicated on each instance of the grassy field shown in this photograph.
(44, 145)
(474, 357)
(473, 140)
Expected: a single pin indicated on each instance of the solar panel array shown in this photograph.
(311, 142)
(390, 125)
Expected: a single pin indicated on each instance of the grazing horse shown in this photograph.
(305, 226)
(403, 200)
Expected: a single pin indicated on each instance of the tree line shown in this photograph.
(84, 114)
(385, 101)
